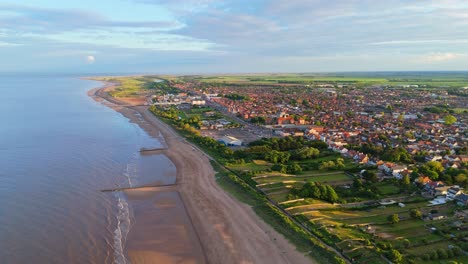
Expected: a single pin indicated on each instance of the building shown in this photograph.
(453, 192)
(198, 102)
(462, 199)
(230, 141)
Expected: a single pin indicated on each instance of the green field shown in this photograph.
(423, 79)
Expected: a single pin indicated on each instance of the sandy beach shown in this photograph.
(228, 231)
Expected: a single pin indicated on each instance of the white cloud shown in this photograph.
(8, 44)
(421, 41)
(440, 57)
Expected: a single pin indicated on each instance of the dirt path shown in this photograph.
(229, 231)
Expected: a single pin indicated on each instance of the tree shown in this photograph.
(277, 156)
(450, 119)
(395, 256)
(331, 194)
(327, 165)
(293, 168)
(305, 153)
(279, 168)
(357, 184)
(406, 181)
(394, 218)
(316, 190)
(258, 120)
(442, 253)
(435, 166)
(339, 164)
(370, 176)
(460, 178)
(415, 213)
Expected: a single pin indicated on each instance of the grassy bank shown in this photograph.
(275, 218)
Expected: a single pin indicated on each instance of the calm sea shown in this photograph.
(58, 149)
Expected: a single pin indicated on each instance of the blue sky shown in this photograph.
(207, 36)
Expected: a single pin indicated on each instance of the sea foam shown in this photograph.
(123, 227)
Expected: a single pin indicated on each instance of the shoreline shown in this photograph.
(228, 230)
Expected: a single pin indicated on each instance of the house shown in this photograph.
(397, 169)
(230, 141)
(423, 180)
(462, 199)
(441, 191)
(198, 102)
(209, 113)
(453, 192)
(436, 217)
(184, 106)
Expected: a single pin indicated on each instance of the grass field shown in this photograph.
(256, 165)
(128, 86)
(386, 188)
(423, 79)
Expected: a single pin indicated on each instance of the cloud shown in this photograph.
(441, 57)
(8, 44)
(28, 19)
(88, 27)
(248, 34)
(422, 41)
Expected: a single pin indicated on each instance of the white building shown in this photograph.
(230, 141)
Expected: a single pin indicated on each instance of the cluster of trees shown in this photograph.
(277, 156)
(338, 164)
(316, 190)
(289, 143)
(260, 120)
(305, 153)
(370, 176)
(291, 168)
(236, 97)
(213, 145)
(441, 253)
(172, 113)
(282, 151)
(436, 171)
(188, 125)
(436, 109)
(432, 169)
(396, 155)
(361, 189)
(449, 119)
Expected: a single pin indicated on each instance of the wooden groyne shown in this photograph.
(152, 149)
(156, 187)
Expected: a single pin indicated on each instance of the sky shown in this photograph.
(234, 36)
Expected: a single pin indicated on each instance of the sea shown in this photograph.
(58, 149)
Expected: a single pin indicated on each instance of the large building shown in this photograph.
(230, 141)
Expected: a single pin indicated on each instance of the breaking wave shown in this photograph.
(123, 227)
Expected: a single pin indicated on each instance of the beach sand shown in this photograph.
(228, 230)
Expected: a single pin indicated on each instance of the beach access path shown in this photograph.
(229, 231)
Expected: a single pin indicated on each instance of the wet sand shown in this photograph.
(228, 230)
(171, 240)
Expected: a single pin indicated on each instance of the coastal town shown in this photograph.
(402, 147)
(371, 171)
(427, 125)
